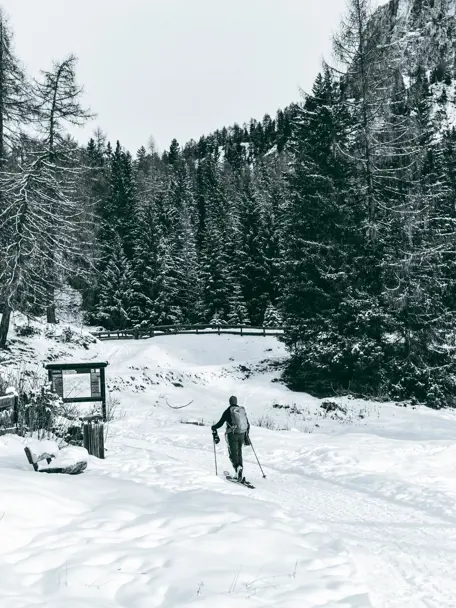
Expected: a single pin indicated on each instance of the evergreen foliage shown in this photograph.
(335, 217)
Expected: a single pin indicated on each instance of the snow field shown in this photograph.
(358, 513)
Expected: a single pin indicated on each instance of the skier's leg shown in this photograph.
(238, 441)
(232, 452)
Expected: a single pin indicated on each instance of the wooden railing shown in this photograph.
(160, 330)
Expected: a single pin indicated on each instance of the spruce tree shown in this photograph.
(250, 256)
(120, 208)
(113, 310)
(238, 314)
(146, 265)
(320, 239)
(272, 317)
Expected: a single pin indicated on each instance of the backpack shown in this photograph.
(239, 419)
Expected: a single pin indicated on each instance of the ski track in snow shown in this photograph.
(389, 541)
(349, 518)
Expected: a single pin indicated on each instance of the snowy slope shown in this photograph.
(356, 511)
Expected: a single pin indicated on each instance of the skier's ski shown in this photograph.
(246, 483)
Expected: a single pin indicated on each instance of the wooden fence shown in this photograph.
(160, 330)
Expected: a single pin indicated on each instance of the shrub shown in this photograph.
(26, 331)
(266, 422)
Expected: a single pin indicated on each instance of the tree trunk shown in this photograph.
(50, 310)
(4, 325)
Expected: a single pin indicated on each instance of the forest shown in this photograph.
(335, 218)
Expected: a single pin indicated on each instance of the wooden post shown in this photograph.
(94, 436)
(241, 330)
(264, 331)
(218, 328)
(93, 433)
(85, 434)
(101, 451)
(16, 412)
(103, 393)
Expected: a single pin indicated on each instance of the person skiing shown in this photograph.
(237, 433)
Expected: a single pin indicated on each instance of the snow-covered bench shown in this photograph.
(73, 469)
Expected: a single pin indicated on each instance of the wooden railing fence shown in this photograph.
(160, 330)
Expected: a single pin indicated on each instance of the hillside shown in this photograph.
(357, 509)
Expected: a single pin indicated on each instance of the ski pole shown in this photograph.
(215, 457)
(261, 469)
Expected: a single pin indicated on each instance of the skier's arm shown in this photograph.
(226, 417)
(246, 437)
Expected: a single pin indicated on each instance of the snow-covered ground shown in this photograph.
(357, 509)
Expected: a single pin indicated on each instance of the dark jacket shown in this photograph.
(227, 418)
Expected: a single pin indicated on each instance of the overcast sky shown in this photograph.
(178, 68)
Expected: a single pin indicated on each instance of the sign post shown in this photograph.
(96, 372)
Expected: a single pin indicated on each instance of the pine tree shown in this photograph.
(187, 269)
(115, 298)
(271, 191)
(209, 194)
(215, 276)
(238, 314)
(252, 269)
(272, 317)
(321, 240)
(146, 265)
(121, 204)
(166, 305)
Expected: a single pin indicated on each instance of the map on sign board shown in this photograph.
(76, 382)
(79, 382)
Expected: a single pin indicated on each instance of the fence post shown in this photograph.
(85, 435)
(264, 331)
(93, 436)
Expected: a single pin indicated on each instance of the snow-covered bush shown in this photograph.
(68, 334)
(217, 319)
(335, 364)
(25, 331)
(40, 411)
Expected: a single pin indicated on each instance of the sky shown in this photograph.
(178, 68)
